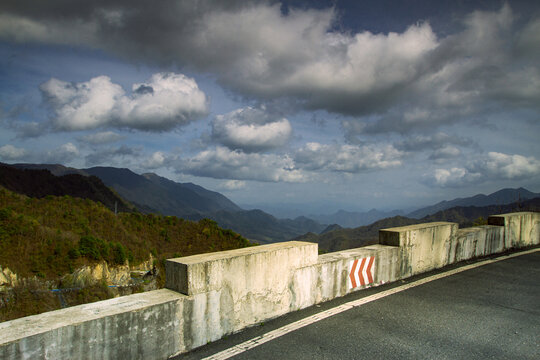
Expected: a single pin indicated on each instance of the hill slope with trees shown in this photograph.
(49, 237)
(39, 183)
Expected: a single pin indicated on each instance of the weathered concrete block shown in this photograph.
(328, 279)
(244, 270)
(521, 228)
(140, 326)
(231, 290)
(423, 247)
(476, 242)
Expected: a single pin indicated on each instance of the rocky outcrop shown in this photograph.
(8, 278)
(88, 275)
(111, 275)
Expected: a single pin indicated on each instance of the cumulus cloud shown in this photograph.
(154, 161)
(251, 130)
(492, 166)
(506, 166)
(346, 158)
(441, 145)
(234, 185)
(9, 152)
(399, 81)
(104, 137)
(453, 177)
(223, 163)
(444, 153)
(166, 101)
(61, 155)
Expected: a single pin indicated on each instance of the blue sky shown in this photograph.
(318, 106)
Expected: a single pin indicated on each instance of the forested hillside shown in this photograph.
(48, 238)
(41, 182)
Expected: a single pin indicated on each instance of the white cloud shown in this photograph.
(100, 138)
(156, 160)
(223, 163)
(505, 166)
(9, 152)
(250, 130)
(347, 158)
(61, 155)
(234, 185)
(410, 80)
(490, 167)
(453, 177)
(166, 101)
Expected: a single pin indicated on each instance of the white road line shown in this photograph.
(259, 340)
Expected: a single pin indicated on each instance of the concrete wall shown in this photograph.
(212, 295)
(231, 290)
(141, 326)
(520, 229)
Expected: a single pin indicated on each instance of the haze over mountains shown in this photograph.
(501, 197)
(335, 238)
(152, 193)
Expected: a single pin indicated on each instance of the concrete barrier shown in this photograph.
(212, 295)
(520, 229)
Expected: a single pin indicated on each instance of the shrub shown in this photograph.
(93, 247)
(118, 253)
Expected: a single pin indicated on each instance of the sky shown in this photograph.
(311, 106)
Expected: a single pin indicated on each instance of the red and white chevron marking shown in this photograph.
(361, 272)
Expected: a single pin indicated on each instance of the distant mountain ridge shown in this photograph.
(501, 197)
(151, 193)
(466, 216)
(39, 183)
(351, 219)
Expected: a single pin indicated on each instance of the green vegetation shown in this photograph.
(52, 236)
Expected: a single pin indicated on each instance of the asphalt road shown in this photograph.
(490, 312)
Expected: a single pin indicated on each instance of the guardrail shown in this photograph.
(211, 295)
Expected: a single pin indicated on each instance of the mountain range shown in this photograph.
(39, 183)
(501, 197)
(350, 219)
(150, 193)
(335, 238)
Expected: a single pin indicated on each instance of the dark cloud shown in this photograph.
(251, 130)
(100, 138)
(403, 81)
(433, 142)
(144, 89)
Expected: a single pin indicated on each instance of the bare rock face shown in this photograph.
(111, 275)
(8, 278)
(93, 274)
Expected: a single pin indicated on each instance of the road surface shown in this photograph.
(488, 312)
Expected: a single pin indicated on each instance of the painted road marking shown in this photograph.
(361, 275)
(259, 340)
